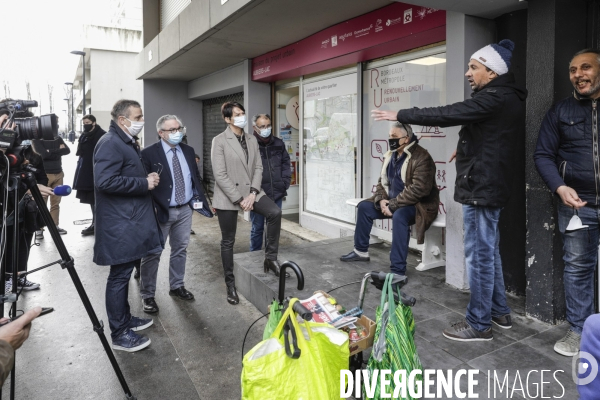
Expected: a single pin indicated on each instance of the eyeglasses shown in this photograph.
(264, 126)
(159, 168)
(180, 129)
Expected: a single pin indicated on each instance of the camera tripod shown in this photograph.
(66, 262)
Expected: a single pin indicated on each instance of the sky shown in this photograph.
(38, 38)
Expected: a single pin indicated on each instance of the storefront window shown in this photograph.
(330, 136)
(415, 83)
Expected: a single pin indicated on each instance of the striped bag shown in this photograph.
(394, 347)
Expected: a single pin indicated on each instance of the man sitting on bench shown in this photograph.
(406, 192)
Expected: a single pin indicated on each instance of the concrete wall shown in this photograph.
(151, 20)
(464, 36)
(115, 39)
(554, 35)
(227, 81)
(170, 97)
(112, 77)
(257, 95)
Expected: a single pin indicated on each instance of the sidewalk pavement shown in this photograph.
(196, 346)
(527, 346)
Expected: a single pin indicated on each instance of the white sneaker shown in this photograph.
(39, 235)
(569, 345)
(8, 287)
(24, 284)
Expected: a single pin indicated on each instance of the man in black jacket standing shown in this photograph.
(83, 181)
(277, 173)
(180, 180)
(52, 152)
(126, 225)
(490, 131)
(566, 157)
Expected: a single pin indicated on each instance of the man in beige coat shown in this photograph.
(237, 168)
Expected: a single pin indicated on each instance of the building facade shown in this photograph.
(111, 48)
(319, 68)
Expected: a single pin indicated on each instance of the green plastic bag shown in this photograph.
(273, 321)
(269, 373)
(394, 346)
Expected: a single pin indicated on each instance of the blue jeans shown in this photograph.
(580, 256)
(117, 304)
(484, 266)
(402, 219)
(258, 228)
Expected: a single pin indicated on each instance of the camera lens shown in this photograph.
(44, 127)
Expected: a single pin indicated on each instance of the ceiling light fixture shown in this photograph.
(427, 61)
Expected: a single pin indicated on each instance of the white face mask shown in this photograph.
(265, 132)
(135, 128)
(240, 121)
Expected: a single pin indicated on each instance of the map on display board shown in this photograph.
(330, 133)
(415, 83)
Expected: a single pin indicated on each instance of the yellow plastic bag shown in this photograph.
(270, 374)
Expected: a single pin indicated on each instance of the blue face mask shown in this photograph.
(26, 143)
(175, 138)
(265, 132)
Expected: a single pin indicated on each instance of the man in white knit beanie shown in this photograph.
(492, 124)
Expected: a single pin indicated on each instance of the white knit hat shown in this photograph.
(496, 56)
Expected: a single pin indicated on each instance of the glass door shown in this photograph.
(330, 137)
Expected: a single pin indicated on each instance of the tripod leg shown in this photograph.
(69, 265)
(15, 268)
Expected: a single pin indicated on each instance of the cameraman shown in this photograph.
(52, 152)
(28, 217)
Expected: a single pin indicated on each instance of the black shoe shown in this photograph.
(232, 296)
(504, 321)
(88, 231)
(274, 266)
(150, 306)
(136, 274)
(352, 256)
(192, 232)
(61, 231)
(463, 332)
(182, 293)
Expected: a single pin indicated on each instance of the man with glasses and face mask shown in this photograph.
(277, 173)
(180, 180)
(406, 192)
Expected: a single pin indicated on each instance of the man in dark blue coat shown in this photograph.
(126, 225)
(566, 156)
(180, 182)
(277, 173)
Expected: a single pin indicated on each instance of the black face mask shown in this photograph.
(394, 144)
(88, 127)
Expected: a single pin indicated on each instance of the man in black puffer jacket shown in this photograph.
(277, 173)
(566, 157)
(491, 128)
